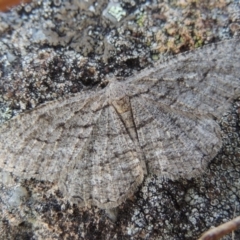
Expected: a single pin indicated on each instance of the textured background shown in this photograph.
(45, 54)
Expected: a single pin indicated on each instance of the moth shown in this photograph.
(98, 146)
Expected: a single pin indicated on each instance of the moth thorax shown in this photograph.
(122, 105)
(116, 90)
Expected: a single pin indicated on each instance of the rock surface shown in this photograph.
(49, 49)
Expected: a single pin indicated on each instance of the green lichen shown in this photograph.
(141, 19)
(198, 43)
(117, 12)
(155, 57)
(5, 114)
